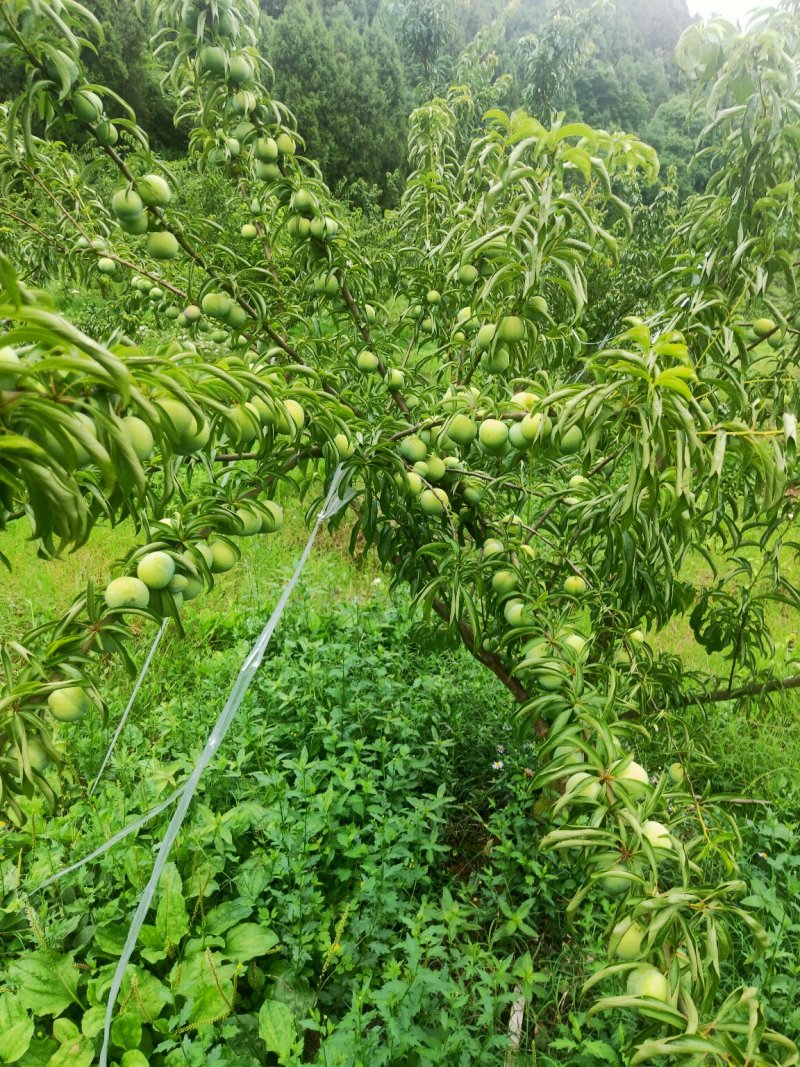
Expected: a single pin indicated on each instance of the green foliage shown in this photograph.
(304, 862)
(549, 59)
(425, 29)
(358, 875)
(355, 51)
(632, 71)
(538, 493)
(673, 131)
(344, 82)
(753, 136)
(628, 285)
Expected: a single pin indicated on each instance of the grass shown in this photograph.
(329, 809)
(782, 619)
(38, 590)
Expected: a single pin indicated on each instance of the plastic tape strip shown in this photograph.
(232, 705)
(126, 712)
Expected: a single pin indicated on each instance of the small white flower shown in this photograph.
(376, 581)
(501, 749)
(498, 765)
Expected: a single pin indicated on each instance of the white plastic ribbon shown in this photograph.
(332, 505)
(126, 712)
(137, 824)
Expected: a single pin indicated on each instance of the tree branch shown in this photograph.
(754, 689)
(488, 659)
(366, 336)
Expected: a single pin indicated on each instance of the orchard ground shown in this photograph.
(420, 695)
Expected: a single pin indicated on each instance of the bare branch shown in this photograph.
(752, 690)
(488, 659)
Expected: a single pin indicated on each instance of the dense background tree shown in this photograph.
(611, 65)
(626, 71)
(673, 131)
(428, 33)
(547, 60)
(342, 74)
(631, 70)
(352, 69)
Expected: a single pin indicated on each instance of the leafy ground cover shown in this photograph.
(359, 881)
(367, 876)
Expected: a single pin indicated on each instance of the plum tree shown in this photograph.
(367, 361)
(582, 784)
(676, 772)
(511, 329)
(529, 483)
(575, 585)
(434, 501)
(127, 204)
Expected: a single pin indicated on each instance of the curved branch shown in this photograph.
(754, 689)
(488, 659)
